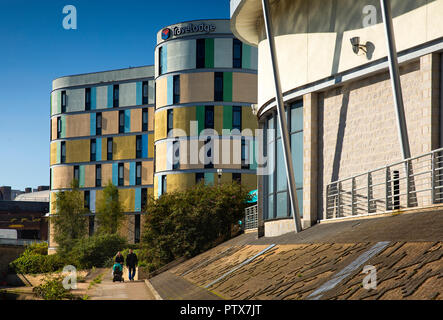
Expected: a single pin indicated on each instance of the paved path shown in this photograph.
(128, 290)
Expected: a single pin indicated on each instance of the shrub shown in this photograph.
(52, 289)
(35, 259)
(96, 250)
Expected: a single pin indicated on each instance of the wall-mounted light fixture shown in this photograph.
(356, 46)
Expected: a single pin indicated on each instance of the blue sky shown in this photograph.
(35, 49)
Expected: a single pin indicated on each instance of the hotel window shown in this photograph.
(218, 86)
(87, 200)
(244, 154)
(236, 177)
(98, 175)
(236, 118)
(121, 122)
(98, 124)
(237, 54)
(138, 147)
(63, 101)
(176, 157)
(59, 127)
(176, 84)
(63, 152)
(169, 120)
(160, 61)
(110, 148)
(137, 228)
(76, 173)
(145, 117)
(199, 177)
(138, 173)
(88, 99)
(144, 198)
(164, 184)
(116, 95)
(209, 145)
(145, 91)
(209, 117)
(200, 63)
(93, 150)
(121, 174)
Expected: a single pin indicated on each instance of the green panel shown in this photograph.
(227, 117)
(200, 116)
(246, 57)
(209, 178)
(81, 177)
(227, 86)
(209, 53)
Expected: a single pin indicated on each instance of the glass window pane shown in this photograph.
(271, 207)
(281, 170)
(282, 205)
(300, 202)
(271, 164)
(296, 118)
(297, 157)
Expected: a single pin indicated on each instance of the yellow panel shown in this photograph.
(160, 124)
(218, 119)
(124, 147)
(98, 196)
(244, 87)
(225, 178)
(182, 118)
(89, 176)
(147, 172)
(126, 174)
(249, 181)
(106, 173)
(151, 146)
(53, 202)
(77, 151)
(78, 125)
(62, 177)
(136, 120)
(127, 199)
(110, 122)
(151, 118)
(249, 120)
(176, 182)
(104, 149)
(54, 128)
(53, 153)
(197, 87)
(161, 94)
(160, 157)
(155, 194)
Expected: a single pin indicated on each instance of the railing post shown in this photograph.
(369, 192)
(433, 178)
(387, 188)
(339, 200)
(353, 197)
(408, 184)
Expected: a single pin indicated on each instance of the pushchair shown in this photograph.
(117, 272)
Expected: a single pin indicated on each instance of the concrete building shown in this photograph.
(338, 95)
(102, 130)
(205, 76)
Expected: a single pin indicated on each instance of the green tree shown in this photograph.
(109, 210)
(70, 221)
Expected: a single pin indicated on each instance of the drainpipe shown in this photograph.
(282, 119)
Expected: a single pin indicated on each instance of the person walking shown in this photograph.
(131, 263)
(119, 258)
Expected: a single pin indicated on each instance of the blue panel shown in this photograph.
(160, 186)
(145, 146)
(170, 91)
(110, 96)
(92, 201)
(115, 174)
(93, 98)
(138, 200)
(132, 173)
(127, 121)
(139, 93)
(209, 178)
(93, 124)
(98, 153)
(164, 59)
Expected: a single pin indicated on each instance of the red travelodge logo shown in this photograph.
(166, 34)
